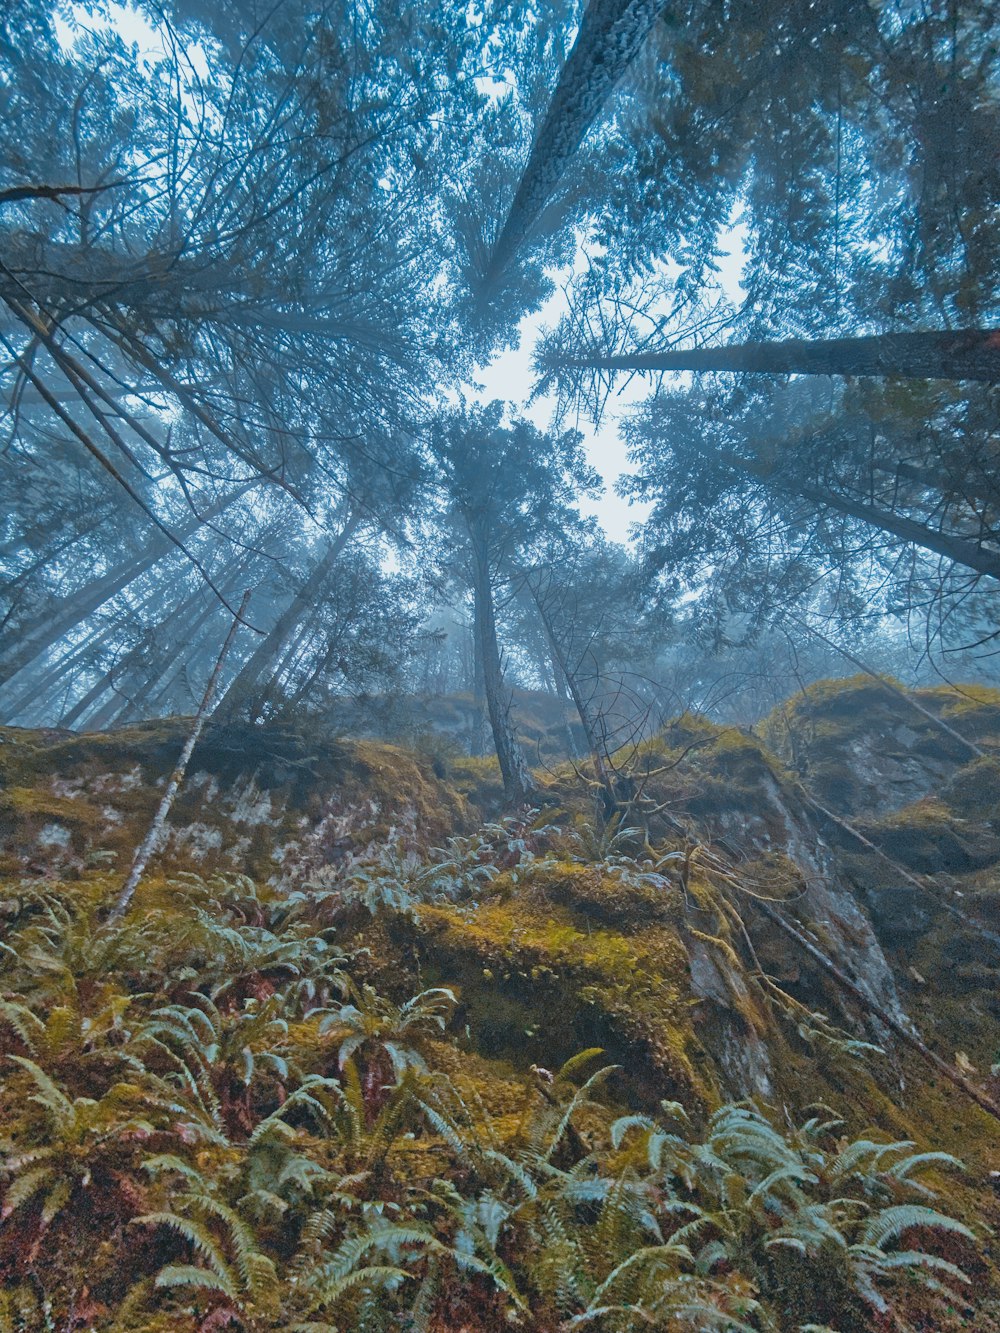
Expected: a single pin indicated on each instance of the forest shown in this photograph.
(499, 666)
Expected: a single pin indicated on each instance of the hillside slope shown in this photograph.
(238, 1087)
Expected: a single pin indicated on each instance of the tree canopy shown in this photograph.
(251, 258)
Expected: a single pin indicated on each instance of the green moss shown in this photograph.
(521, 966)
(974, 791)
(478, 779)
(972, 702)
(23, 803)
(925, 836)
(318, 796)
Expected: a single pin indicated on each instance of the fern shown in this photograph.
(890, 1223)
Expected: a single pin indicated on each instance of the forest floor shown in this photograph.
(311, 887)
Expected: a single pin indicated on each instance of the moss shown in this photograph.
(479, 780)
(23, 803)
(925, 836)
(973, 703)
(605, 898)
(523, 962)
(250, 793)
(974, 791)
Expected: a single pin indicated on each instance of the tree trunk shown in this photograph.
(962, 550)
(41, 685)
(478, 742)
(134, 700)
(47, 627)
(152, 839)
(961, 486)
(292, 649)
(178, 626)
(610, 36)
(518, 784)
(962, 354)
(256, 673)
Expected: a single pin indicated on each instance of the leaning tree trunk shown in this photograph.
(961, 550)
(48, 626)
(178, 627)
(256, 674)
(964, 551)
(284, 664)
(40, 687)
(518, 784)
(961, 354)
(152, 839)
(610, 36)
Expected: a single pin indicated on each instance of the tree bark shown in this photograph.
(963, 551)
(610, 36)
(478, 742)
(518, 784)
(962, 354)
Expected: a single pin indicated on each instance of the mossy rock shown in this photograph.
(478, 779)
(862, 748)
(927, 837)
(974, 791)
(538, 984)
(262, 800)
(604, 898)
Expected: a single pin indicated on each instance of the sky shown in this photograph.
(509, 376)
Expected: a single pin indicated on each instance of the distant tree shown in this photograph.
(585, 595)
(504, 488)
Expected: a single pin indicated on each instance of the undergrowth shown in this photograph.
(212, 1121)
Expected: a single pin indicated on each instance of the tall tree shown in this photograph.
(504, 487)
(958, 354)
(610, 35)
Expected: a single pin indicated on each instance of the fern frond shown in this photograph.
(23, 1022)
(199, 1238)
(577, 1062)
(892, 1222)
(376, 1275)
(188, 1275)
(24, 1188)
(48, 1095)
(577, 1100)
